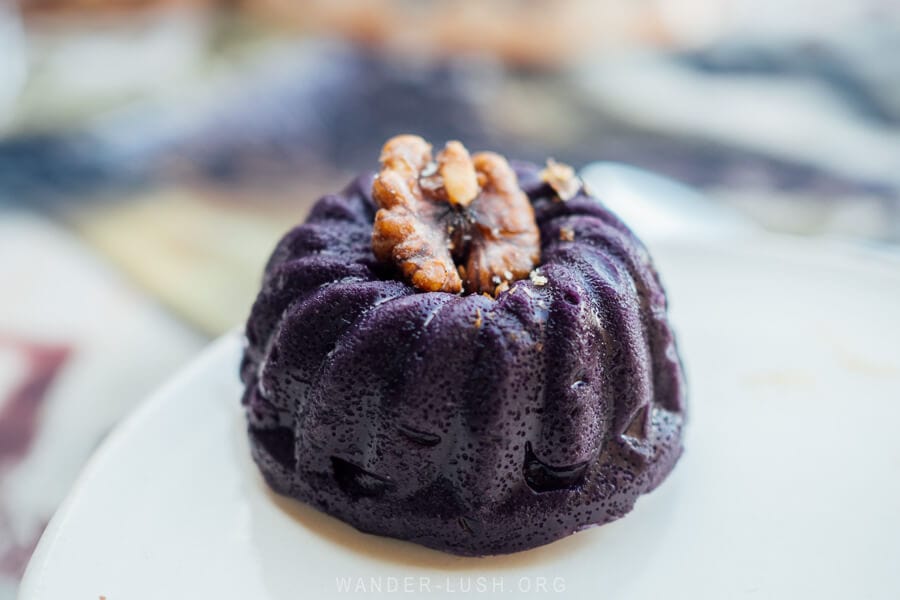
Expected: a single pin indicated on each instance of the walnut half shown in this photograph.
(457, 223)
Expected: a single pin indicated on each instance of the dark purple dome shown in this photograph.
(467, 424)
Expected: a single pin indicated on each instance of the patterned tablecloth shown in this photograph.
(146, 172)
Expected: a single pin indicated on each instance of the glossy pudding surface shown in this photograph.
(470, 423)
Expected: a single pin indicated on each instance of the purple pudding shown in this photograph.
(480, 364)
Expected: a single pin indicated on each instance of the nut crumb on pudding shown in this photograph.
(537, 279)
(566, 234)
(562, 178)
(457, 223)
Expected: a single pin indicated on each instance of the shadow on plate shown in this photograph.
(413, 555)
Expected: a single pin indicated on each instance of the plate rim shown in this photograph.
(31, 583)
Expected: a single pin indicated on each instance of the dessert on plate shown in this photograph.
(470, 354)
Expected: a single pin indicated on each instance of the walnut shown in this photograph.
(459, 223)
(562, 179)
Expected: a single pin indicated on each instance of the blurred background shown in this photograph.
(153, 151)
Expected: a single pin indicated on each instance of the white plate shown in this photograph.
(789, 486)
